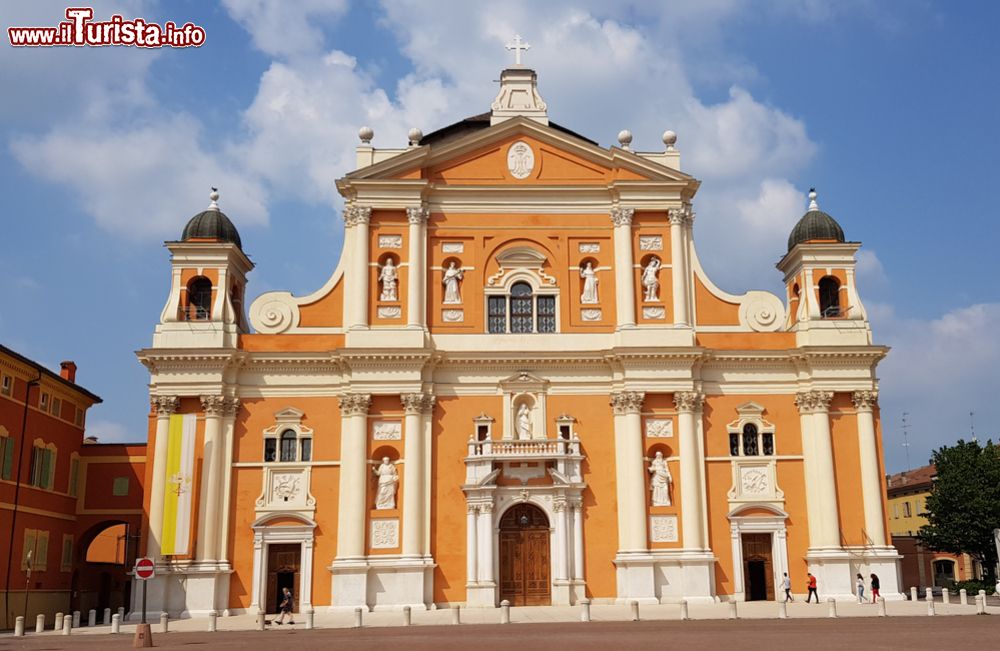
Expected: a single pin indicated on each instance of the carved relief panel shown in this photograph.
(286, 488)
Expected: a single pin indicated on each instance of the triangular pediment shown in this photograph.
(483, 157)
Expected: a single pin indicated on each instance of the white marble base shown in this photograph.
(665, 577)
(382, 583)
(836, 569)
(481, 595)
(183, 591)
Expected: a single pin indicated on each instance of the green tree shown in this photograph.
(963, 508)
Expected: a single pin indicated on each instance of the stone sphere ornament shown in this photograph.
(366, 134)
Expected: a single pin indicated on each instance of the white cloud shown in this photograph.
(282, 28)
(871, 274)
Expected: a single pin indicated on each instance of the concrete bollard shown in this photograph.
(982, 593)
(121, 612)
(945, 596)
(106, 619)
(930, 605)
(685, 615)
(40, 623)
(881, 607)
(585, 610)
(261, 620)
(505, 612)
(913, 593)
(733, 614)
(213, 621)
(963, 597)
(358, 618)
(59, 622)
(831, 607)
(310, 619)
(406, 615)
(456, 614)
(782, 610)
(19, 626)
(634, 610)
(76, 619)
(980, 605)
(92, 618)
(116, 623)
(164, 622)
(67, 625)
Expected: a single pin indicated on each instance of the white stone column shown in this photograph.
(356, 218)
(871, 480)
(624, 271)
(351, 518)
(679, 270)
(578, 541)
(230, 409)
(820, 477)
(471, 544)
(416, 284)
(687, 403)
(630, 474)
(211, 513)
(415, 405)
(164, 406)
(562, 542)
(486, 543)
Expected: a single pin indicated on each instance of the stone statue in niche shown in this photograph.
(661, 480)
(388, 276)
(388, 479)
(589, 275)
(523, 422)
(453, 275)
(650, 282)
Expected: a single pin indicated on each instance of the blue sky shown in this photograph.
(887, 107)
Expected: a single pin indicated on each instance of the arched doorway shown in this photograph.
(105, 554)
(525, 567)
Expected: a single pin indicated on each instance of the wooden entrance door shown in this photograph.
(758, 566)
(282, 572)
(525, 569)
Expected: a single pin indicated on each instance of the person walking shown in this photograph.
(875, 587)
(812, 587)
(786, 585)
(860, 588)
(286, 607)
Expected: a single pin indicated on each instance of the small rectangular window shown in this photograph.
(74, 476)
(497, 314)
(66, 562)
(79, 417)
(6, 385)
(895, 511)
(906, 509)
(483, 432)
(307, 449)
(43, 402)
(270, 449)
(40, 561)
(734, 444)
(35, 474)
(768, 443)
(120, 487)
(6, 457)
(546, 313)
(56, 407)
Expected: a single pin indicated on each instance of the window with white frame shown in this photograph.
(288, 441)
(43, 466)
(6, 454)
(750, 435)
(43, 402)
(521, 311)
(35, 551)
(6, 385)
(66, 562)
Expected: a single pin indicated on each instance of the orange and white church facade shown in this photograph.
(518, 384)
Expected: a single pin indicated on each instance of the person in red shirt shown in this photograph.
(812, 587)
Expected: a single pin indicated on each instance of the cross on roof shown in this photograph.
(518, 46)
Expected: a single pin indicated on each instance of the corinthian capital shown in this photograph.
(622, 216)
(864, 400)
(682, 216)
(688, 400)
(230, 406)
(213, 405)
(355, 214)
(164, 405)
(627, 402)
(417, 214)
(810, 402)
(355, 404)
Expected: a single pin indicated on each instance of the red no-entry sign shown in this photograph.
(145, 569)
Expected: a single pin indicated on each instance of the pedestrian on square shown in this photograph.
(286, 607)
(786, 585)
(812, 587)
(875, 587)
(860, 586)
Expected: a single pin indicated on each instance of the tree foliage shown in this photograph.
(963, 508)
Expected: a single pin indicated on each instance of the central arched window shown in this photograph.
(829, 297)
(199, 299)
(288, 445)
(521, 312)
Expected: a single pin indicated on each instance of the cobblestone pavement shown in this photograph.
(911, 633)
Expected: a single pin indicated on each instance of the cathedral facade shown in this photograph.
(518, 384)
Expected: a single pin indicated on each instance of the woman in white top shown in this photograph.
(860, 583)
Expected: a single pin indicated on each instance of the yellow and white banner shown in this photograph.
(180, 473)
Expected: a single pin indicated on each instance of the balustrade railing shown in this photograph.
(524, 448)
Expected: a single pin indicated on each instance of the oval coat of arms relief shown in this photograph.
(520, 160)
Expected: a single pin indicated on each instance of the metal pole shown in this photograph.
(144, 602)
(27, 582)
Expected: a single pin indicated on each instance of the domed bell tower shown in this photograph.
(205, 308)
(823, 303)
